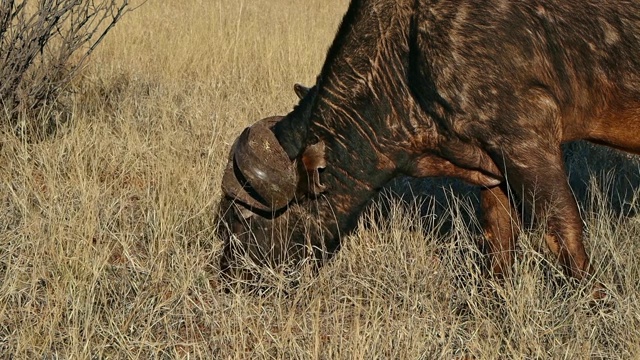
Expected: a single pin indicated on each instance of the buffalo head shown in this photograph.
(263, 214)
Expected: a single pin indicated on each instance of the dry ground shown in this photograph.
(106, 229)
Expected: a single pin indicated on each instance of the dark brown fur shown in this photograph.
(481, 90)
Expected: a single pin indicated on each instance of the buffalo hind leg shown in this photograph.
(501, 225)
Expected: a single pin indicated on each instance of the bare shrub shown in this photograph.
(43, 44)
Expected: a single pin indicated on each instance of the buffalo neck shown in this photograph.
(362, 110)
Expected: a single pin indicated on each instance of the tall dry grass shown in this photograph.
(106, 229)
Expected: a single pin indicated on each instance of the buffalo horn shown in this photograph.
(259, 172)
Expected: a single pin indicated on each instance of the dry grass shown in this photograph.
(106, 230)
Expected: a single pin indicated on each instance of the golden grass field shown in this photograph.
(107, 245)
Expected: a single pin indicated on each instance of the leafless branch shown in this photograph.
(43, 45)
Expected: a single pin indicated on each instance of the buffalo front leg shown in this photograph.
(539, 178)
(501, 225)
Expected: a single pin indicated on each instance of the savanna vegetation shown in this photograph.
(107, 245)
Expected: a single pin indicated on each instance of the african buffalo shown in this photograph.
(485, 91)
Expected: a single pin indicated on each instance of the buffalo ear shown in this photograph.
(301, 90)
(313, 159)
